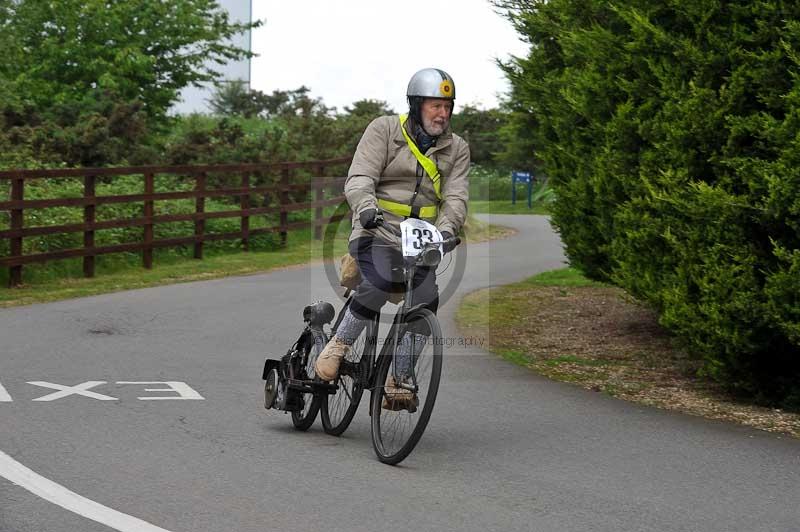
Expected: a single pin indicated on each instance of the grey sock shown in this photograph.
(405, 357)
(350, 327)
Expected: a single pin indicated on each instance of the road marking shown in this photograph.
(78, 389)
(61, 496)
(4, 397)
(184, 391)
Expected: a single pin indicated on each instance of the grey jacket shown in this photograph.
(384, 167)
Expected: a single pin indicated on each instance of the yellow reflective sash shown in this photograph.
(401, 209)
(425, 162)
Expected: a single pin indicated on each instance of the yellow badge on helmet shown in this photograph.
(446, 88)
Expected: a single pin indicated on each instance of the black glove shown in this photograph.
(451, 245)
(369, 218)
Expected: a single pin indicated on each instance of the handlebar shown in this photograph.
(454, 240)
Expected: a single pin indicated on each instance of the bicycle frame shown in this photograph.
(409, 268)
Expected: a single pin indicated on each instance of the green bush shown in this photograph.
(670, 132)
(307, 130)
(99, 130)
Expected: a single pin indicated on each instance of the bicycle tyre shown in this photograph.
(302, 420)
(388, 450)
(337, 410)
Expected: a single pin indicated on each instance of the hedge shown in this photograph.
(671, 134)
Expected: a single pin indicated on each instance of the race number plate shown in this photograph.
(416, 233)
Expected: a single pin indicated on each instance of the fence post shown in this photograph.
(284, 200)
(88, 220)
(147, 253)
(245, 204)
(320, 195)
(199, 208)
(17, 194)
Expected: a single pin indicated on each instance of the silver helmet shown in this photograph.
(432, 83)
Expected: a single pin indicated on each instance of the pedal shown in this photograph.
(407, 386)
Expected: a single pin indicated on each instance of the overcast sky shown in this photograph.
(348, 50)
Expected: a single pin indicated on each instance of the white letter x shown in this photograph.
(78, 389)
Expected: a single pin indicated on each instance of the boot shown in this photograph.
(327, 365)
(396, 398)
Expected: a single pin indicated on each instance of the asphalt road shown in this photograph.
(505, 449)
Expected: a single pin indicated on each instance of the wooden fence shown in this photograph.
(17, 205)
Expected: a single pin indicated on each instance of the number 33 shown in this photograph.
(419, 233)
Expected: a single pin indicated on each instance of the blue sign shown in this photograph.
(521, 177)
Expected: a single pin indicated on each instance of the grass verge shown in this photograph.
(505, 207)
(567, 328)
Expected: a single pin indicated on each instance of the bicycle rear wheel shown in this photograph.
(337, 410)
(303, 419)
(395, 430)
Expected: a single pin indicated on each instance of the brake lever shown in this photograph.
(379, 219)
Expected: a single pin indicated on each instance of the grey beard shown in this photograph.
(424, 141)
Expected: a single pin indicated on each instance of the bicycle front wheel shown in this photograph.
(406, 385)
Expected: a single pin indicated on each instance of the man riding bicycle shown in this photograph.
(407, 166)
